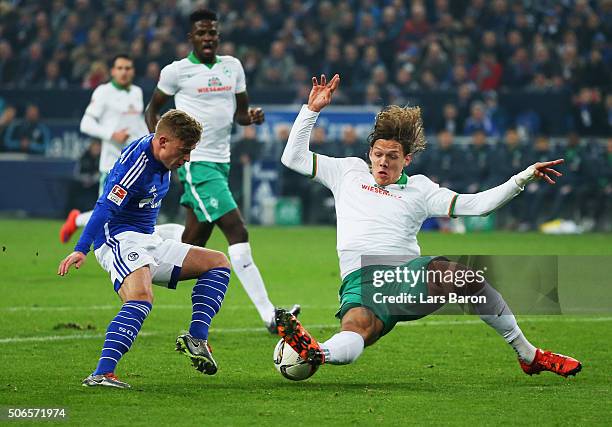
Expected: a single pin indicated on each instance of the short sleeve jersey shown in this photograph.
(207, 93)
(374, 220)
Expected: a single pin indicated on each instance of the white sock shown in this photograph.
(343, 348)
(496, 313)
(170, 231)
(249, 276)
(83, 218)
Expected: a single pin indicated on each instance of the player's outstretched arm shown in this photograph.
(487, 201)
(76, 258)
(158, 99)
(297, 155)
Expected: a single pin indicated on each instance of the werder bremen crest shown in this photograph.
(214, 82)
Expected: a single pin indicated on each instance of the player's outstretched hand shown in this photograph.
(321, 93)
(540, 170)
(256, 115)
(544, 170)
(76, 258)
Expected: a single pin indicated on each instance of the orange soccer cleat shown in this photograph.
(69, 226)
(290, 329)
(553, 362)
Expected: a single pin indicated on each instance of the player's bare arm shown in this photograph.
(158, 99)
(245, 115)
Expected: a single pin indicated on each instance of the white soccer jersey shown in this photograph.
(113, 108)
(208, 93)
(373, 220)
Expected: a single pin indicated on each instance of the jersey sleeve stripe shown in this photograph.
(135, 171)
(314, 165)
(126, 155)
(136, 175)
(451, 208)
(134, 167)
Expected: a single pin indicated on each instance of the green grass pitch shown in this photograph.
(439, 370)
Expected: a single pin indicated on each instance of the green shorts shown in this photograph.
(358, 290)
(207, 189)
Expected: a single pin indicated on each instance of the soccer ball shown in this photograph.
(290, 364)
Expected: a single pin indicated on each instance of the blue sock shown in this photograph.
(207, 297)
(121, 333)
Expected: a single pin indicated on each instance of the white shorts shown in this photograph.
(128, 251)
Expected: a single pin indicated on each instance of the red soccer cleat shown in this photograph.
(290, 329)
(553, 362)
(69, 226)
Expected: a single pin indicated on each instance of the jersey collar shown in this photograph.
(403, 180)
(194, 60)
(119, 87)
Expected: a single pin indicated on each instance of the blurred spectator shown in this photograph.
(588, 116)
(8, 116)
(596, 73)
(351, 146)
(479, 120)
(28, 135)
(84, 191)
(244, 152)
(149, 81)
(277, 68)
(539, 194)
(53, 77)
(8, 63)
(479, 158)
(518, 71)
(574, 177)
(487, 72)
(442, 163)
(449, 120)
(32, 67)
(98, 74)
(509, 158)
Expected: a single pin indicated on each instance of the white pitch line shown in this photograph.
(186, 306)
(466, 322)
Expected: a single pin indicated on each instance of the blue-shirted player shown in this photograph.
(121, 230)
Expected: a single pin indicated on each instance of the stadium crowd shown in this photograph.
(383, 49)
(386, 47)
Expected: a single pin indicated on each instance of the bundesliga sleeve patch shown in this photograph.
(117, 195)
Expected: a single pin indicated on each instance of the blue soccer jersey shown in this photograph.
(132, 196)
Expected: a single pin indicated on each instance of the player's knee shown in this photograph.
(218, 260)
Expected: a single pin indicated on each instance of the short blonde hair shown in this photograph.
(181, 125)
(401, 124)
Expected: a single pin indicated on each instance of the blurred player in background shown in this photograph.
(115, 116)
(121, 229)
(379, 212)
(212, 89)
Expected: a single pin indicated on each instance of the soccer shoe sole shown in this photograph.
(88, 382)
(295, 310)
(571, 373)
(202, 363)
